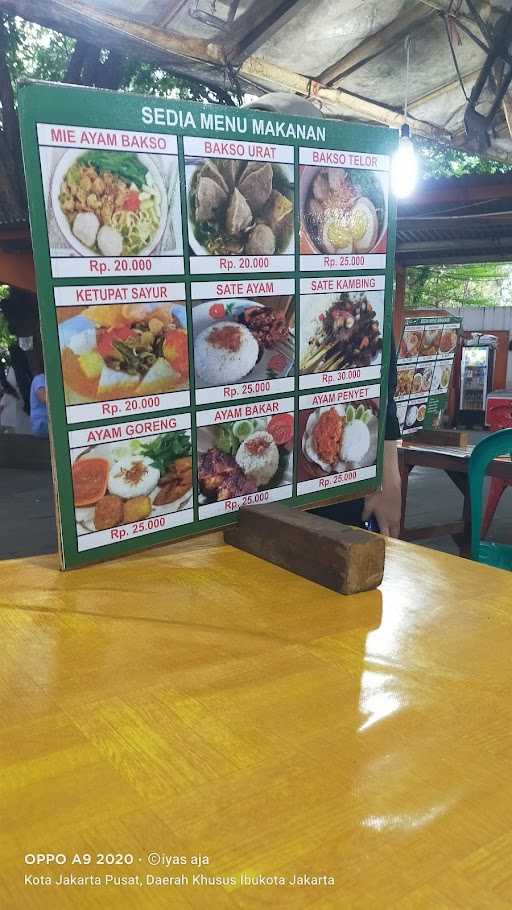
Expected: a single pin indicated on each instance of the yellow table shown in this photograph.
(195, 700)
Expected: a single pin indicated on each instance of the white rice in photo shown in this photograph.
(224, 353)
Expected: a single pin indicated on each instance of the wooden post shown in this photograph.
(399, 303)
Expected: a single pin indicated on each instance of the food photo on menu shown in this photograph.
(415, 415)
(244, 457)
(411, 343)
(111, 203)
(117, 351)
(422, 379)
(405, 376)
(343, 437)
(340, 331)
(430, 342)
(343, 210)
(239, 207)
(449, 340)
(442, 375)
(118, 483)
(243, 339)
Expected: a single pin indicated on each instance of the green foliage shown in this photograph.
(40, 53)
(5, 335)
(476, 285)
(36, 52)
(438, 160)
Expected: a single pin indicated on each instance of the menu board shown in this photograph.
(215, 292)
(424, 371)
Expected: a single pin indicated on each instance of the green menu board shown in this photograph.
(215, 291)
(425, 367)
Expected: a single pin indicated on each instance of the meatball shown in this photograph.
(262, 241)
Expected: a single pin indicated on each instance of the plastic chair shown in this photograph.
(493, 554)
(496, 489)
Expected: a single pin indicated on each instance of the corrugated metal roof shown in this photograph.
(457, 219)
(12, 211)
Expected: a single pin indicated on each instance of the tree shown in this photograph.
(6, 336)
(29, 50)
(476, 285)
(437, 160)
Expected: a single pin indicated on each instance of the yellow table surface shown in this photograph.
(196, 700)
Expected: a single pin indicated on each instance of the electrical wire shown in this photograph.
(454, 57)
(407, 47)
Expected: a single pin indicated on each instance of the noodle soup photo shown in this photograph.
(343, 210)
(103, 203)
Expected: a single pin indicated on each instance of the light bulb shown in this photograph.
(404, 166)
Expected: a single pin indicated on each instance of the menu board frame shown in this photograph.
(151, 121)
(425, 360)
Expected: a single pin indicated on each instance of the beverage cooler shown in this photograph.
(476, 373)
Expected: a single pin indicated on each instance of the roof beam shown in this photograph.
(372, 47)
(441, 257)
(88, 24)
(257, 24)
(254, 68)
(457, 223)
(150, 43)
(171, 8)
(457, 246)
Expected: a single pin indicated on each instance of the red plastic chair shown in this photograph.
(496, 490)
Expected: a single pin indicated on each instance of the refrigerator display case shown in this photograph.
(476, 373)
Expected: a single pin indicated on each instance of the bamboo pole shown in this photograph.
(258, 70)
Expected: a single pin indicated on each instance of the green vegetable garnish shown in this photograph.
(124, 164)
(350, 413)
(360, 411)
(224, 438)
(242, 429)
(167, 448)
(366, 416)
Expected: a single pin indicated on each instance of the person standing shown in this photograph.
(38, 406)
(13, 416)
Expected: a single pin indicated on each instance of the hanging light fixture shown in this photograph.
(404, 163)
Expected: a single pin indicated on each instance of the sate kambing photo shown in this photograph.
(123, 351)
(239, 207)
(340, 331)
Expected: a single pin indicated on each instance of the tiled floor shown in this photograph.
(27, 525)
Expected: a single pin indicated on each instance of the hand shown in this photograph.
(386, 503)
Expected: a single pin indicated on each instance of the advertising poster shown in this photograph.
(424, 371)
(215, 291)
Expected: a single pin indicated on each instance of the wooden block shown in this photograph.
(457, 438)
(339, 557)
